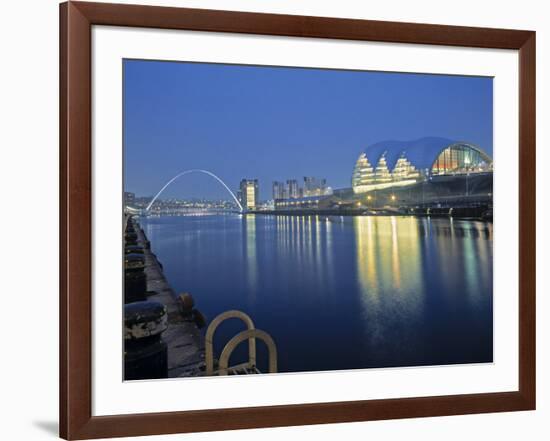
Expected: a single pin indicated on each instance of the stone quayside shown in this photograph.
(182, 343)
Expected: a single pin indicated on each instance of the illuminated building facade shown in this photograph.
(396, 163)
(249, 193)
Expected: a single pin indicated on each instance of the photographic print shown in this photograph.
(284, 219)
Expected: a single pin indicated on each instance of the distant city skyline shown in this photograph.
(281, 124)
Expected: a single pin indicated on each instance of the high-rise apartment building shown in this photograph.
(250, 193)
(293, 189)
(314, 186)
(278, 190)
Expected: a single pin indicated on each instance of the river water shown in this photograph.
(339, 292)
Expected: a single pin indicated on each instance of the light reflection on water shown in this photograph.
(340, 292)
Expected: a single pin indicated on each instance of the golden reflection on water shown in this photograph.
(389, 272)
(251, 258)
(399, 258)
(395, 254)
(387, 255)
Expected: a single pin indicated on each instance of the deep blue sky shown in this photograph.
(275, 123)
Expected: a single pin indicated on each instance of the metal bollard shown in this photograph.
(135, 287)
(145, 353)
(135, 280)
(134, 261)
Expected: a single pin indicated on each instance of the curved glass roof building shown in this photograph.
(399, 163)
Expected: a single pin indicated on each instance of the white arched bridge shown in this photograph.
(195, 170)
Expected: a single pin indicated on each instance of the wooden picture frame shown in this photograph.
(76, 21)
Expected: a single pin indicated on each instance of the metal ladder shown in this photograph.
(250, 334)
